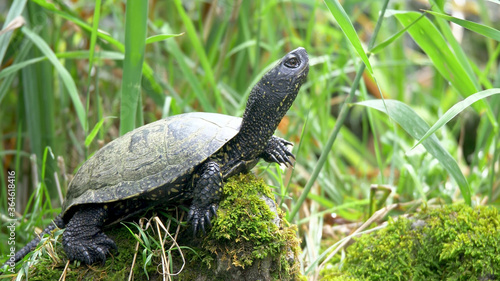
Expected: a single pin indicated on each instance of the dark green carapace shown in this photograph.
(181, 159)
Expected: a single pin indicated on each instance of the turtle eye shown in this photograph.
(292, 62)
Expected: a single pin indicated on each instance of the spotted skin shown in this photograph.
(181, 159)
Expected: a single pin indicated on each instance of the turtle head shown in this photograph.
(289, 74)
(280, 85)
(273, 95)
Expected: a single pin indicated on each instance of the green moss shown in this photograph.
(245, 232)
(449, 243)
(243, 236)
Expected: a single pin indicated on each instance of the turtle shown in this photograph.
(173, 161)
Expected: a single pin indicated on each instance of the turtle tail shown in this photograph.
(57, 222)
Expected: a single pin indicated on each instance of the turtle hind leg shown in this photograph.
(83, 239)
(206, 195)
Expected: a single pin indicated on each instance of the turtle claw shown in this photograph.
(274, 158)
(208, 221)
(211, 212)
(201, 217)
(213, 208)
(276, 151)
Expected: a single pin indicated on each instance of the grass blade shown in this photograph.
(66, 55)
(346, 25)
(450, 62)
(146, 69)
(65, 76)
(194, 82)
(445, 28)
(21, 56)
(484, 30)
(432, 42)
(93, 35)
(93, 133)
(136, 18)
(455, 110)
(393, 38)
(93, 39)
(51, 7)
(200, 51)
(15, 10)
(161, 37)
(414, 125)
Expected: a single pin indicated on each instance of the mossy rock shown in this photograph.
(248, 241)
(450, 243)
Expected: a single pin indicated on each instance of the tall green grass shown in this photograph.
(70, 68)
(136, 16)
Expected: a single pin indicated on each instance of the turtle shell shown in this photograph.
(149, 157)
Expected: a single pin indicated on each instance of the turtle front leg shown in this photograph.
(83, 238)
(276, 151)
(207, 192)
